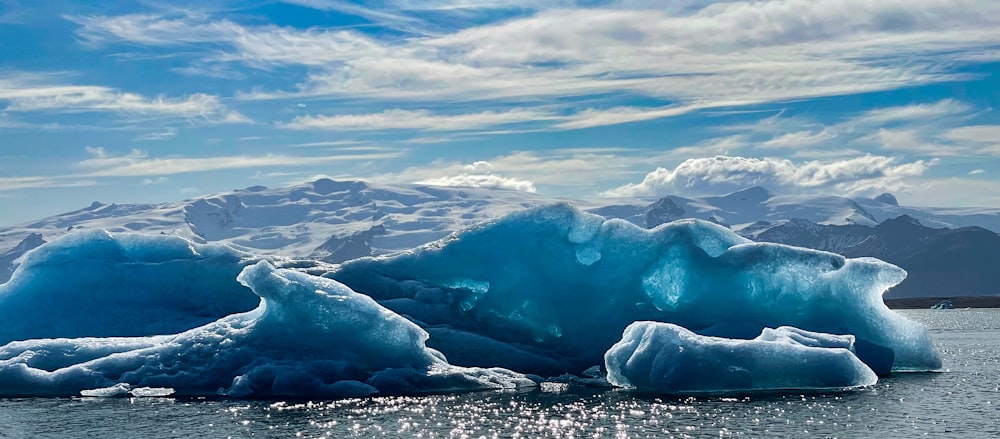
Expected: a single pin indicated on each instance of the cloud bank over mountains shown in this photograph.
(865, 175)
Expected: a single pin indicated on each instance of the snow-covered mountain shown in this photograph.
(325, 219)
(745, 209)
(335, 221)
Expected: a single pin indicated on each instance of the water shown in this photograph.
(963, 401)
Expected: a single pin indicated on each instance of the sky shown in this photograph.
(155, 101)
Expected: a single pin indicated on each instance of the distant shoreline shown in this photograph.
(959, 302)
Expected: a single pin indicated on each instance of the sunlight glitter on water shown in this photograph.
(960, 402)
(535, 414)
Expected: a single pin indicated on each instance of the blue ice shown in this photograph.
(667, 358)
(309, 336)
(561, 286)
(92, 283)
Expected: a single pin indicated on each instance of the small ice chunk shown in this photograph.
(152, 392)
(667, 358)
(117, 390)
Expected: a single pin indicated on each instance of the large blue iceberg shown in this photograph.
(308, 336)
(94, 284)
(555, 287)
(667, 358)
(542, 292)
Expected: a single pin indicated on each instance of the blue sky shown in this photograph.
(160, 101)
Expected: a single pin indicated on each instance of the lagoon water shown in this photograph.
(962, 401)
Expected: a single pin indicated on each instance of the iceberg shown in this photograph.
(552, 288)
(944, 304)
(92, 283)
(308, 336)
(667, 358)
(543, 292)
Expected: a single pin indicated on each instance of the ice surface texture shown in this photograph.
(667, 358)
(309, 336)
(554, 288)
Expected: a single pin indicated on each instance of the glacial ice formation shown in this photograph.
(545, 291)
(91, 283)
(309, 336)
(667, 358)
(554, 288)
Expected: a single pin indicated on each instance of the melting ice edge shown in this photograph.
(686, 308)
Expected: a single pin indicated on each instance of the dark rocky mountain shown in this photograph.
(805, 233)
(940, 262)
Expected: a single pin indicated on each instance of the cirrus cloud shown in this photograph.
(33, 93)
(415, 120)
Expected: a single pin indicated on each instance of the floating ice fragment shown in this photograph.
(124, 390)
(667, 358)
(117, 390)
(152, 392)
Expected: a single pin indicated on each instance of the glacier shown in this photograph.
(537, 293)
(667, 358)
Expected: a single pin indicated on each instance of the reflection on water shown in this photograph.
(960, 402)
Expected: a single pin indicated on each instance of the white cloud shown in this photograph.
(36, 182)
(138, 163)
(617, 115)
(933, 111)
(573, 171)
(939, 140)
(378, 13)
(975, 139)
(259, 46)
(923, 129)
(477, 174)
(157, 180)
(482, 181)
(912, 140)
(979, 134)
(25, 93)
(479, 166)
(720, 174)
(415, 119)
(693, 56)
(163, 134)
(799, 140)
(976, 172)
